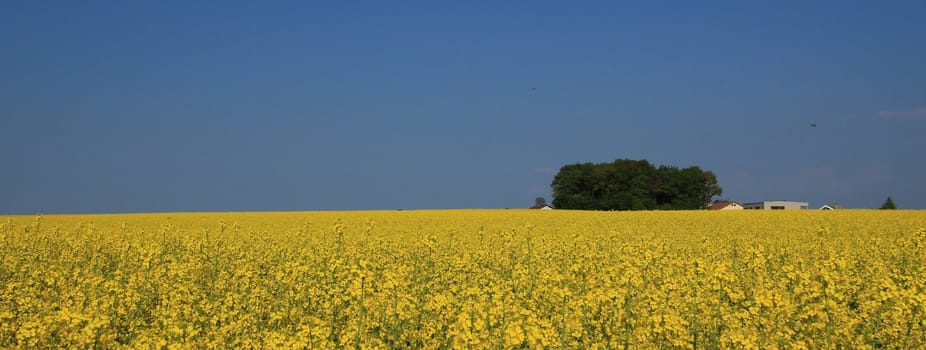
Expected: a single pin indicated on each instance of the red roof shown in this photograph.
(720, 205)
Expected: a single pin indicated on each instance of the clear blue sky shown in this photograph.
(124, 106)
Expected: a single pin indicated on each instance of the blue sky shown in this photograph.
(209, 106)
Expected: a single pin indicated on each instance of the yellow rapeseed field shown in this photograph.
(465, 279)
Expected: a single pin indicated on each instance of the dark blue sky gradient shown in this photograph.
(196, 106)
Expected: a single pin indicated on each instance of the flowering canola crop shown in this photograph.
(465, 279)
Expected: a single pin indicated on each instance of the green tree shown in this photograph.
(889, 204)
(539, 202)
(627, 184)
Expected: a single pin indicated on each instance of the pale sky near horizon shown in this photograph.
(111, 106)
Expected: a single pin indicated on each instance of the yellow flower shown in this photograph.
(467, 278)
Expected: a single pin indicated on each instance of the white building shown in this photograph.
(725, 205)
(777, 205)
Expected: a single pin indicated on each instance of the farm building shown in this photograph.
(725, 205)
(777, 205)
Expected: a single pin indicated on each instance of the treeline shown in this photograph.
(627, 184)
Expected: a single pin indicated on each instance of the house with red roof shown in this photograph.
(725, 205)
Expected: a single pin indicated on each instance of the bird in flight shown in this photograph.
(813, 125)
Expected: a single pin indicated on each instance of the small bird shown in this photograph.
(813, 125)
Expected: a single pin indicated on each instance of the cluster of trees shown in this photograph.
(627, 184)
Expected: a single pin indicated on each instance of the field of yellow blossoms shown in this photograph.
(465, 279)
